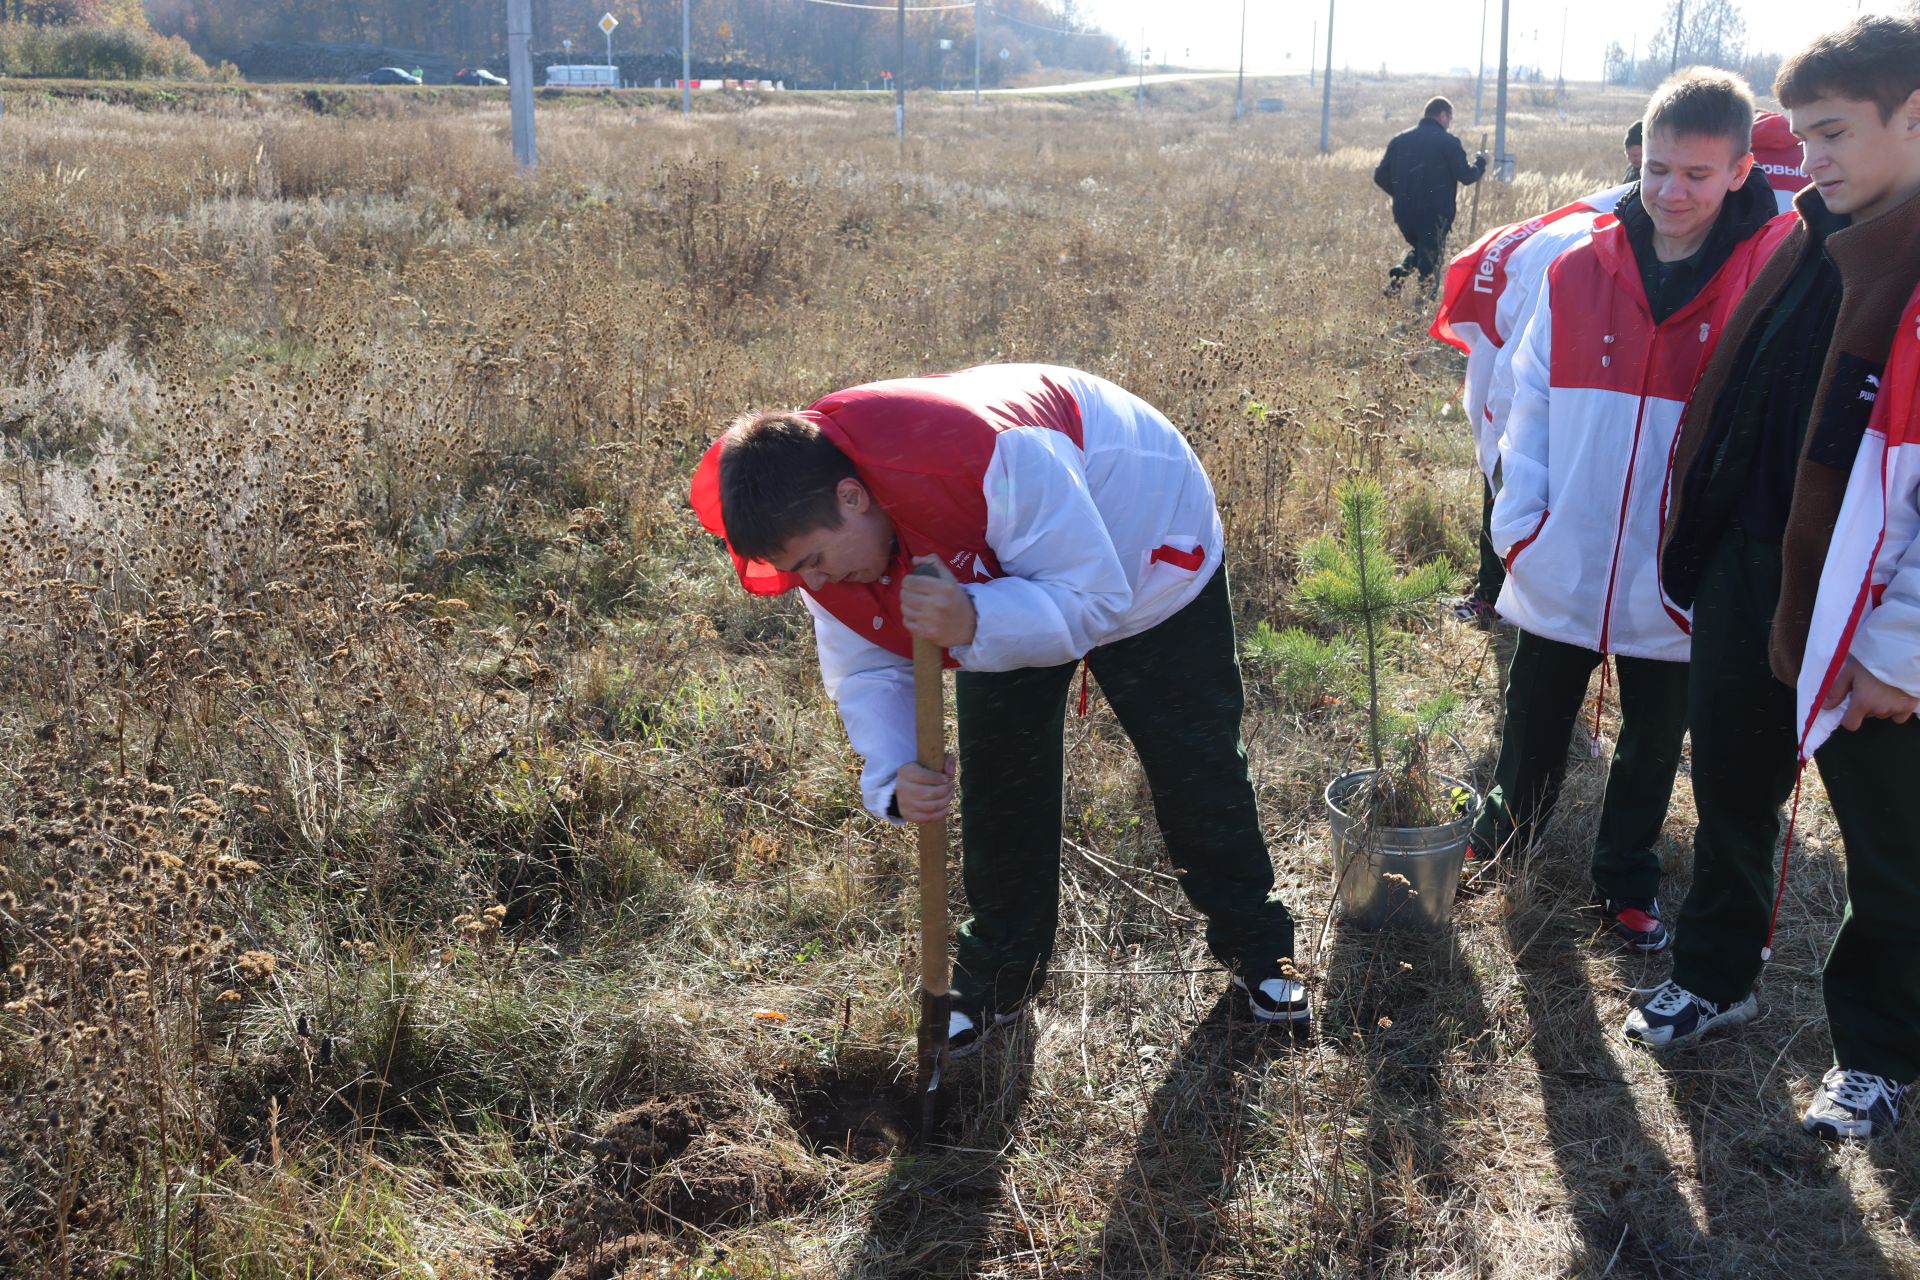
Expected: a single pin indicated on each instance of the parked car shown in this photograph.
(477, 75)
(391, 75)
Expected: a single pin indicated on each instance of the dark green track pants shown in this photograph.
(1176, 691)
(1492, 574)
(1546, 689)
(1744, 763)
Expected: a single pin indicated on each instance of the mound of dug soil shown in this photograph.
(659, 1168)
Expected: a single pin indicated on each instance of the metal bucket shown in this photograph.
(1426, 861)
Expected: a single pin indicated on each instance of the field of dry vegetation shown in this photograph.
(419, 859)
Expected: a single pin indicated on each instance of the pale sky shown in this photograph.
(1421, 35)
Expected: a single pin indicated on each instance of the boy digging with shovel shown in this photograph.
(1069, 521)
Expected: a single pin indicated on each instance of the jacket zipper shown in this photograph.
(1626, 496)
(1633, 457)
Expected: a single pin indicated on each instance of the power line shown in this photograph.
(1022, 22)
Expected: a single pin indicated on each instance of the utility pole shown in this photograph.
(686, 57)
(1326, 90)
(976, 51)
(520, 73)
(1480, 81)
(899, 74)
(1313, 53)
(1500, 101)
(1140, 92)
(1679, 12)
(1240, 84)
(1560, 80)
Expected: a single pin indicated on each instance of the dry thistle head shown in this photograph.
(253, 966)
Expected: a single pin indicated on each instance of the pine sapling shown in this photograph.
(1352, 584)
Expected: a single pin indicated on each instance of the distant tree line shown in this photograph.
(92, 39)
(805, 41)
(1710, 33)
(56, 13)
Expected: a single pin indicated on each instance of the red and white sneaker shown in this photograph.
(1638, 921)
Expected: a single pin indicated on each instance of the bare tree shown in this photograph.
(1712, 33)
(1614, 65)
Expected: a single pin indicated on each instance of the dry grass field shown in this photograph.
(420, 860)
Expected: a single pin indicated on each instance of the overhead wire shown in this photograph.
(1022, 22)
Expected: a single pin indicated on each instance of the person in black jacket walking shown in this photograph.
(1420, 170)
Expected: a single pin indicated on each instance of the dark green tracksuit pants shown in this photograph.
(1492, 574)
(1546, 689)
(1176, 691)
(1744, 763)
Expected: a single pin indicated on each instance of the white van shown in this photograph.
(583, 76)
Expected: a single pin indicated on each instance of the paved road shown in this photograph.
(1097, 86)
(1117, 82)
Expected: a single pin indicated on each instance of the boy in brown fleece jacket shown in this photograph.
(1793, 530)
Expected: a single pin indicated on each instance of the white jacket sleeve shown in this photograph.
(1522, 501)
(1516, 306)
(1065, 589)
(1888, 642)
(874, 691)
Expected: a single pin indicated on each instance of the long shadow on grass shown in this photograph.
(1406, 1010)
(1770, 1191)
(1622, 1190)
(935, 1211)
(1165, 1216)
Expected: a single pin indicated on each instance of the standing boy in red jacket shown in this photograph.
(1624, 325)
(1069, 521)
(1794, 532)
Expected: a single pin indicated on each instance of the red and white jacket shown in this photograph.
(1488, 295)
(1868, 604)
(1072, 511)
(1778, 154)
(1598, 391)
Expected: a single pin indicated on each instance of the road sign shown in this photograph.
(1006, 53)
(725, 31)
(608, 22)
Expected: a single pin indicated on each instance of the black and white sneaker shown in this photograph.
(1477, 613)
(1280, 1000)
(1673, 1015)
(1853, 1104)
(968, 1029)
(1638, 921)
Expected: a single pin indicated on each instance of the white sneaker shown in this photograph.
(1673, 1015)
(1277, 1000)
(1853, 1104)
(965, 1034)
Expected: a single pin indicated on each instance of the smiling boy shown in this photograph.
(1619, 332)
(1794, 532)
(1069, 520)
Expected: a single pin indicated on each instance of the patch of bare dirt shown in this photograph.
(855, 1113)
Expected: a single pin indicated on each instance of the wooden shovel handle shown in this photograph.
(930, 743)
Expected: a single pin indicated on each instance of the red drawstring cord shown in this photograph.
(1598, 699)
(1083, 688)
(1793, 816)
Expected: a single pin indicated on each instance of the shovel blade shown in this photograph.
(932, 1059)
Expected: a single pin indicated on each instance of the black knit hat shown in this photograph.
(1633, 134)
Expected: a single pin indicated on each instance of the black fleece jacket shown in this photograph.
(1672, 285)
